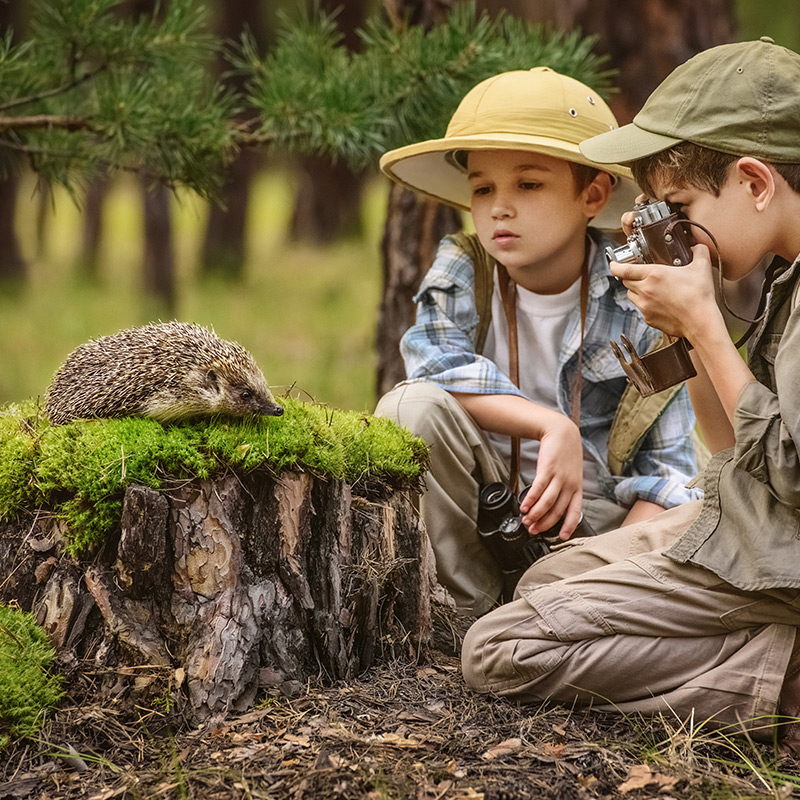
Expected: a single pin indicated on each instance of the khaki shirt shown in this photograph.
(748, 531)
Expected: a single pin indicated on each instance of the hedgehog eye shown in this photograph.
(246, 394)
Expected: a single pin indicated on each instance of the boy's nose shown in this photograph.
(501, 209)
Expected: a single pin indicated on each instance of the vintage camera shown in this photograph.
(660, 236)
(508, 540)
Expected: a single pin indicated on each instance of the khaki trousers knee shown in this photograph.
(613, 623)
(461, 460)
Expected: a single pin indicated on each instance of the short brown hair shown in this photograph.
(688, 164)
(583, 175)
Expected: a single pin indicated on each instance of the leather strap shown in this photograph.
(508, 294)
(575, 404)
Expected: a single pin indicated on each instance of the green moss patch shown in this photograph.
(27, 687)
(81, 470)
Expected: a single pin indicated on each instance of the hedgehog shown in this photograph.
(169, 371)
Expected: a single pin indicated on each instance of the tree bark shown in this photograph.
(159, 251)
(233, 583)
(412, 232)
(317, 217)
(414, 225)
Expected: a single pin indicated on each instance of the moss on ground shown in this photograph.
(27, 687)
(81, 470)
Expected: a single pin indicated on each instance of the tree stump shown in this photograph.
(230, 584)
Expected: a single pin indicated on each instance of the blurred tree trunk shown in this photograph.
(94, 200)
(224, 248)
(158, 269)
(414, 226)
(645, 41)
(159, 253)
(316, 217)
(158, 266)
(12, 264)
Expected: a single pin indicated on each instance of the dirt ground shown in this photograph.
(407, 730)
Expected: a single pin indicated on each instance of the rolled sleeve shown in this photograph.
(666, 460)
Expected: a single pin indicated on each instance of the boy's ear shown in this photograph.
(758, 180)
(596, 194)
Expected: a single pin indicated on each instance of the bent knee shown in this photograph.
(420, 407)
(506, 652)
(472, 649)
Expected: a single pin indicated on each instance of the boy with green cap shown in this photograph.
(694, 613)
(512, 331)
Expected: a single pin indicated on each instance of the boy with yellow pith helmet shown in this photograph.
(511, 380)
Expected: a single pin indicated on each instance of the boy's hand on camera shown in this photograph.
(677, 300)
(557, 490)
(628, 217)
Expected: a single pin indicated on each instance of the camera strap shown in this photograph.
(508, 294)
(766, 285)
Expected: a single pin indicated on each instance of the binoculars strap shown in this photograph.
(508, 294)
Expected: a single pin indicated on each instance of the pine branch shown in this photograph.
(46, 121)
(138, 93)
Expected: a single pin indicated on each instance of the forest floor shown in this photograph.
(406, 730)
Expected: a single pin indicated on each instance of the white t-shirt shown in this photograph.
(542, 321)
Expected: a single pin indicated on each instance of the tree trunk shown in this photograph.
(412, 232)
(223, 586)
(159, 253)
(645, 41)
(224, 250)
(328, 200)
(94, 201)
(414, 226)
(12, 263)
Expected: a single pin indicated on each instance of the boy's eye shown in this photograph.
(529, 185)
(480, 190)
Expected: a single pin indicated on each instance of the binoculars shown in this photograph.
(508, 541)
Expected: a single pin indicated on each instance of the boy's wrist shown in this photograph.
(548, 421)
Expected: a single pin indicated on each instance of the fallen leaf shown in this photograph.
(503, 749)
(556, 750)
(641, 775)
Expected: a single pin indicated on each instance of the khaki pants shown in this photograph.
(612, 622)
(461, 460)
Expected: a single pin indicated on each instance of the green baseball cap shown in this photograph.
(741, 98)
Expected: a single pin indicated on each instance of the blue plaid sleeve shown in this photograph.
(440, 346)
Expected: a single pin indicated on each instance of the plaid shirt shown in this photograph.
(440, 348)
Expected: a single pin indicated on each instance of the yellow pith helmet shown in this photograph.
(535, 110)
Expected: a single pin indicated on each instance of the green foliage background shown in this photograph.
(308, 314)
